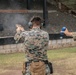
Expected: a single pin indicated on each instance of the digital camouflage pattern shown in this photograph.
(35, 43)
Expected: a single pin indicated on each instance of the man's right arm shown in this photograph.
(19, 35)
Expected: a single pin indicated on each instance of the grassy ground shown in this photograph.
(64, 62)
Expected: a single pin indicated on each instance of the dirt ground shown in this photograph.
(64, 62)
(61, 67)
(12, 72)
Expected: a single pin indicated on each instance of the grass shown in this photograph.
(61, 59)
(15, 59)
(61, 53)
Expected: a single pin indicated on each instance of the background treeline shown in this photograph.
(70, 3)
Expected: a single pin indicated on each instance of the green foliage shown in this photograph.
(69, 3)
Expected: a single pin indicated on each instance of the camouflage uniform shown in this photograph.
(35, 44)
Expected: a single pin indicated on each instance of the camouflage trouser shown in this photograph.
(74, 35)
(47, 70)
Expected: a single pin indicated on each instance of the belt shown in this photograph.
(45, 61)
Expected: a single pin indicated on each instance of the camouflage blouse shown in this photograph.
(35, 43)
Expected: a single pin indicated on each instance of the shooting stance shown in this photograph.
(35, 44)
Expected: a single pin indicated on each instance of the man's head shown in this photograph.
(35, 21)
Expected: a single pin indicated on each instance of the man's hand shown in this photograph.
(19, 28)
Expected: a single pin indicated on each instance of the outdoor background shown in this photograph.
(63, 60)
(70, 3)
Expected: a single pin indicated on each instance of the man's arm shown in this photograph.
(72, 34)
(67, 33)
(19, 34)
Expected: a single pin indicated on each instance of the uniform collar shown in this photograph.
(36, 28)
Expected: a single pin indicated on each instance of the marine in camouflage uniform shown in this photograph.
(35, 44)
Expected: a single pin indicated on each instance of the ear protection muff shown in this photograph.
(30, 24)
